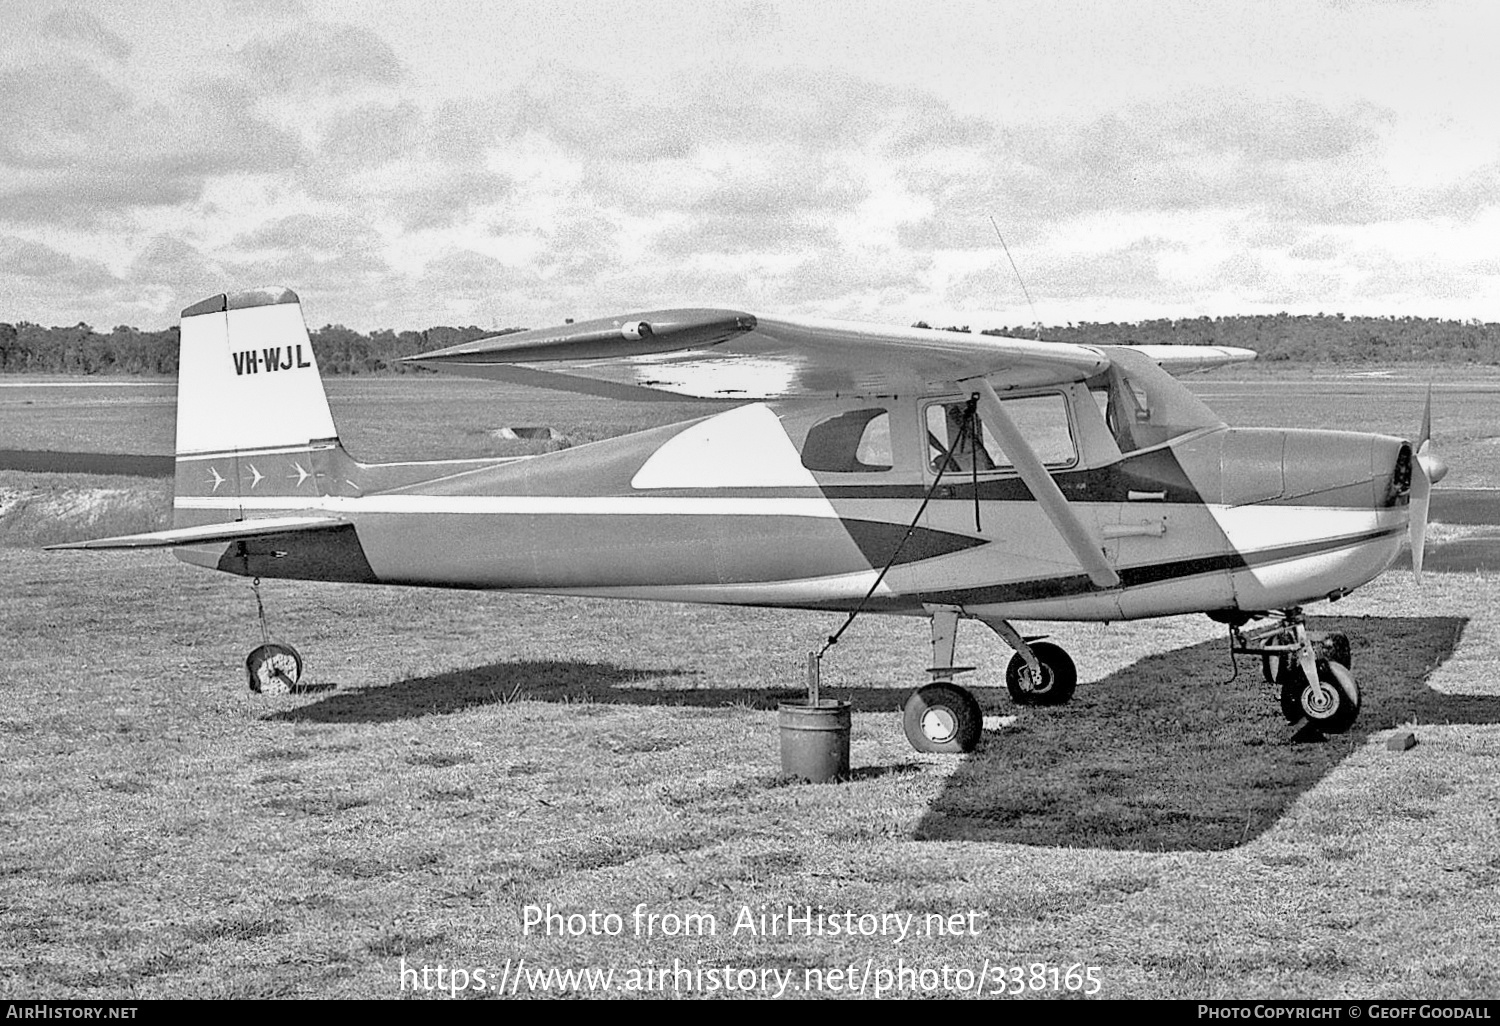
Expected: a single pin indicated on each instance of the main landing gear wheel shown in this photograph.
(1332, 709)
(274, 669)
(1059, 677)
(942, 717)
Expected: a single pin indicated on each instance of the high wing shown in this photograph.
(726, 354)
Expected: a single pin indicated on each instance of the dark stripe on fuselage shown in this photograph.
(881, 541)
(1130, 577)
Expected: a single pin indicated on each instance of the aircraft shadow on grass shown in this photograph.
(1164, 755)
(1160, 755)
(565, 682)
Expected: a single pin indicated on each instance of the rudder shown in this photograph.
(253, 422)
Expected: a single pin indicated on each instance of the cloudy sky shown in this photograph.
(402, 163)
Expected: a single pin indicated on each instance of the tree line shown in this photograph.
(1313, 338)
(1320, 338)
(1310, 338)
(31, 348)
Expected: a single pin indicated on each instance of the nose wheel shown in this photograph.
(1311, 672)
(1332, 706)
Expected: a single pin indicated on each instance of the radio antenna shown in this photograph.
(1035, 320)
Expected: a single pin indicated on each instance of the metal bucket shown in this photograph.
(814, 740)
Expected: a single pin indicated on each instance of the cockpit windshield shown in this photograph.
(1143, 404)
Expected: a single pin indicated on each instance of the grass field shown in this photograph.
(460, 758)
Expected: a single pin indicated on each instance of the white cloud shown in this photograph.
(837, 158)
(320, 57)
(75, 28)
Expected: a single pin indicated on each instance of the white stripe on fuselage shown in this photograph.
(560, 505)
(1254, 528)
(1303, 578)
(1248, 528)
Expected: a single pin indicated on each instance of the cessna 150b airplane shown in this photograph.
(899, 470)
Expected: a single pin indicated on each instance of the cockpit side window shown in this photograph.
(1041, 419)
(855, 442)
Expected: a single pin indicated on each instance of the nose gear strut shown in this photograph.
(1312, 671)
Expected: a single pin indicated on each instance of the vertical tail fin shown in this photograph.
(256, 449)
(253, 423)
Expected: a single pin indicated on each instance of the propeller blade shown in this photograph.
(1426, 434)
(1434, 464)
(1427, 468)
(1416, 525)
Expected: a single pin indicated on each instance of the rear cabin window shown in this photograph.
(1041, 419)
(856, 442)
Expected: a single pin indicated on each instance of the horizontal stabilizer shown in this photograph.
(207, 534)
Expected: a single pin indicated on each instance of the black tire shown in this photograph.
(1335, 648)
(274, 669)
(1297, 698)
(1059, 677)
(942, 717)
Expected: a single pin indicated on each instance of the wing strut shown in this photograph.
(1069, 524)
